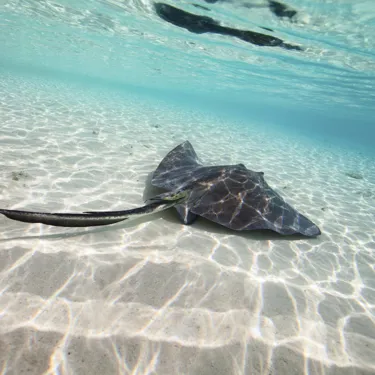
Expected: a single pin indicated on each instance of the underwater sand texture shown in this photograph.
(154, 296)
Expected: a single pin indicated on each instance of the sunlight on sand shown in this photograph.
(153, 296)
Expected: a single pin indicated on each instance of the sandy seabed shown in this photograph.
(151, 296)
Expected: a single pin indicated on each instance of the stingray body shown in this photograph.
(230, 195)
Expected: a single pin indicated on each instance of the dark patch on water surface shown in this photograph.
(281, 10)
(201, 7)
(202, 24)
(267, 28)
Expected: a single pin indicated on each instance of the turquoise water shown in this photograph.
(322, 91)
(93, 94)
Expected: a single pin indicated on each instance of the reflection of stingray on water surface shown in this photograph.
(202, 24)
(279, 9)
(230, 195)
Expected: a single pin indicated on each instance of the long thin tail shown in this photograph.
(86, 219)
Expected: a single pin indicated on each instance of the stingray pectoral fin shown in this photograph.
(307, 227)
(185, 215)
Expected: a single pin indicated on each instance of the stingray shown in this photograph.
(230, 195)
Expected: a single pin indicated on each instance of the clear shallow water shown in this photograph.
(329, 85)
(92, 98)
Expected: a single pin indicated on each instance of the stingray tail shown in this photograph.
(91, 218)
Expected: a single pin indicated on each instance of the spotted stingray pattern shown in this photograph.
(230, 195)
